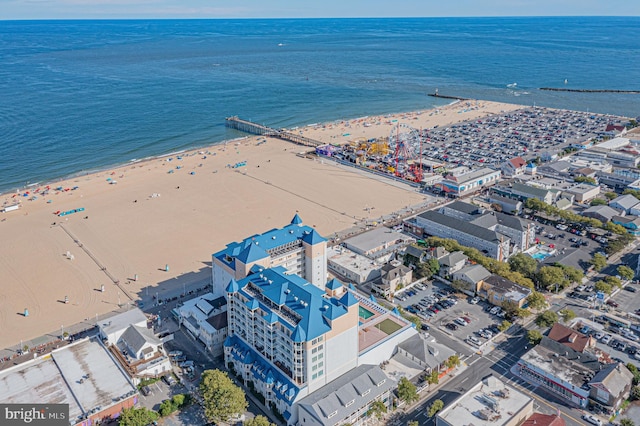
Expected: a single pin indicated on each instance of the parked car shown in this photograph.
(606, 339)
(168, 379)
(613, 303)
(460, 321)
(145, 390)
(631, 289)
(452, 326)
(474, 340)
(474, 301)
(591, 419)
(173, 354)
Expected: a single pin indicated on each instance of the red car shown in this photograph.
(612, 303)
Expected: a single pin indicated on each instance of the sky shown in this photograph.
(164, 9)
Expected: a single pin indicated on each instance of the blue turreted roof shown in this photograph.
(233, 286)
(256, 247)
(348, 299)
(334, 284)
(310, 304)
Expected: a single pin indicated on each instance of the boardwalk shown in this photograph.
(259, 129)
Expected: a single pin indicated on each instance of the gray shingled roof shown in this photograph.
(462, 226)
(463, 207)
(453, 258)
(352, 386)
(136, 337)
(615, 377)
(625, 201)
(430, 351)
(474, 273)
(531, 190)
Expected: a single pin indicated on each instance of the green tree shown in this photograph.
(222, 398)
(625, 272)
(613, 281)
(137, 417)
(536, 300)
(610, 195)
(586, 179)
(435, 407)
(627, 422)
(615, 228)
(258, 420)
(567, 315)
(635, 392)
(603, 287)
(547, 319)
(407, 391)
(452, 361)
(636, 373)
(511, 308)
(377, 409)
(413, 423)
(534, 337)
(167, 407)
(550, 276)
(504, 326)
(433, 378)
(598, 261)
(572, 274)
(524, 264)
(460, 285)
(598, 202)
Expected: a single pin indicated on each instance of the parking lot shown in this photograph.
(452, 314)
(565, 240)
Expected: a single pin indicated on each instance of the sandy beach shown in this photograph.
(176, 211)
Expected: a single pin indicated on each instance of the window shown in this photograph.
(367, 392)
(332, 414)
(314, 359)
(350, 402)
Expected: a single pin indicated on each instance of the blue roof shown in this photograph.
(232, 287)
(296, 220)
(288, 294)
(334, 284)
(283, 388)
(313, 237)
(348, 299)
(299, 335)
(255, 247)
(372, 298)
(253, 304)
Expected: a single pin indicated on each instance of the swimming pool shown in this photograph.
(365, 313)
(540, 256)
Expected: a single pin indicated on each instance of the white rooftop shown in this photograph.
(613, 144)
(490, 398)
(122, 321)
(82, 375)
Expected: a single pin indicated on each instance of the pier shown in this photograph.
(259, 129)
(437, 95)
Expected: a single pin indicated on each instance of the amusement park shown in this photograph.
(398, 155)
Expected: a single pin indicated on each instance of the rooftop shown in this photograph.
(615, 377)
(346, 394)
(462, 226)
(569, 337)
(507, 287)
(377, 238)
(471, 176)
(538, 419)
(297, 304)
(260, 246)
(82, 375)
(122, 321)
(625, 201)
(489, 403)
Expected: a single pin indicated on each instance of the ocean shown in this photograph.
(77, 96)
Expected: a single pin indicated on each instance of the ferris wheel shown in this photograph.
(404, 141)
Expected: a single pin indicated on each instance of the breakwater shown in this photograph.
(259, 129)
(562, 89)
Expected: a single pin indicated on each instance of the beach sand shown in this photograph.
(177, 212)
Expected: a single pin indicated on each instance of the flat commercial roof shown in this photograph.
(82, 375)
(491, 397)
(376, 238)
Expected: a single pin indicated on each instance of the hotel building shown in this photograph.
(296, 247)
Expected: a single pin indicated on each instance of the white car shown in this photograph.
(599, 335)
(591, 419)
(561, 227)
(460, 321)
(606, 339)
(580, 288)
(475, 300)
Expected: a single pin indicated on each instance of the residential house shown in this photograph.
(394, 275)
(414, 255)
(498, 290)
(539, 419)
(473, 275)
(571, 338)
(423, 354)
(507, 205)
(205, 318)
(514, 167)
(452, 263)
(610, 387)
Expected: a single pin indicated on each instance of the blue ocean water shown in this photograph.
(81, 95)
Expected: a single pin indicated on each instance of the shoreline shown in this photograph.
(155, 230)
(208, 145)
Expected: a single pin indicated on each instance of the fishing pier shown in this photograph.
(258, 129)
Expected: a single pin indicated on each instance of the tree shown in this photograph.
(615, 228)
(504, 326)
(258, 420)
(433, 378)
(635, 392)
(510, 308)
(452, 361)
(167, 407)
(625, 272)
(550, 276)
(137, 417)
(407, 391)
(413, 423)
(598, 202)
(435, 407)
(585, 179)
(547, 319)
(610, 195)
(567, 315)
(377, 409)
(572, 274)
(627, 422)
(524, 264)
(536, 300)
(598, 261)
(603, 287)
(460, 285)
(222, 398)
(613, 281)
(534, 337)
